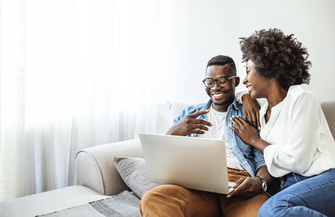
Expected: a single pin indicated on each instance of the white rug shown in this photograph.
(122, 205)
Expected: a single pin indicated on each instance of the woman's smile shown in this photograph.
(248, 87)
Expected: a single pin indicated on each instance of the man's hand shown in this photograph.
(246, 187)
(190, 124)
(251, 110)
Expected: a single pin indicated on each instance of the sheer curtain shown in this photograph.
(73, 74)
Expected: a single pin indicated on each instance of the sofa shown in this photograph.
(98, 177)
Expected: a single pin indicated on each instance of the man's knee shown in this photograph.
(171, 200)
(159, 202)
(152, 197)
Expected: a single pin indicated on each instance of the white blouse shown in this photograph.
(299, 135)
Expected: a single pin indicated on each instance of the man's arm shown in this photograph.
(264, 173)
(273, 184)
(247, 187)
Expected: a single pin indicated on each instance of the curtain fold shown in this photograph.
(74, 74)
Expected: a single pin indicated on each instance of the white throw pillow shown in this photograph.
(175, 108)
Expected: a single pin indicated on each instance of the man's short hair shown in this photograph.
(222, 60)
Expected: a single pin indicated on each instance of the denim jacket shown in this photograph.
(250, 158)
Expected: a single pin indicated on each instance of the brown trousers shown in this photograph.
(172, 200)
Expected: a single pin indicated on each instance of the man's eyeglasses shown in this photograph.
(222, 82)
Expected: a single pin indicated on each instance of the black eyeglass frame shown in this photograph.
(216, 81)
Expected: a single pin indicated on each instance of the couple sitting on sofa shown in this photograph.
(294, 145)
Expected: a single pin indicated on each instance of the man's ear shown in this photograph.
(237, 81)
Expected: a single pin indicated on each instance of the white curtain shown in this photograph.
(73, 74)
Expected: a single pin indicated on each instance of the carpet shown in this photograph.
(122, 205)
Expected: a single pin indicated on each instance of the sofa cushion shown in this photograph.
(175, 108)
(134, 174)
(328, 108)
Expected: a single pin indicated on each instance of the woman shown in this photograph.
(295, 138)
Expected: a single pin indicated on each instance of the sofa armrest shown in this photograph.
(328, 108)
(95, 166)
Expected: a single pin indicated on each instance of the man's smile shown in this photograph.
(217, 95)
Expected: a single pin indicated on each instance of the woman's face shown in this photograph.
(257, 85)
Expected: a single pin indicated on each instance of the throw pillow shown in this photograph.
(175, 108)
(134, 174)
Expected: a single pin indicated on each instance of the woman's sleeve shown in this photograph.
(302, 139)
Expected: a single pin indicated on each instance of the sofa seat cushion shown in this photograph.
(49, 201)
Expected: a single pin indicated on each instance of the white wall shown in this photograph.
(193, 31)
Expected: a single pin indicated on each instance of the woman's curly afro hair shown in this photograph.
(276, 55)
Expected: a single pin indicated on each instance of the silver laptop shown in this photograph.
(194, 163)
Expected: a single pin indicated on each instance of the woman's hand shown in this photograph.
(246, 187)
(244, 130)
(251, 110)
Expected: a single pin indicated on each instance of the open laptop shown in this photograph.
(194, 163)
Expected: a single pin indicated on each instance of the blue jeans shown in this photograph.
(303, 196)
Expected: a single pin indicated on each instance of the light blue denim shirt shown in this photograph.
(250, 158)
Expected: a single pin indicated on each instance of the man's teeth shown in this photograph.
(217, 94)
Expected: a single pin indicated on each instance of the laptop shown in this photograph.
(190, 162)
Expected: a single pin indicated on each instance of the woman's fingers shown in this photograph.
(253, 120)
(238, 121)
(246, 115)
(258, 122)
(233, 128)
(236, 126)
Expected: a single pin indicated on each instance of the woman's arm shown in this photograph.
(250, 108)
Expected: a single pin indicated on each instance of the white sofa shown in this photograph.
(97, 175)
(98, 178)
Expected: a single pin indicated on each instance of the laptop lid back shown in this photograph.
(195, 163)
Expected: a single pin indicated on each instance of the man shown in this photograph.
(212, 119)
